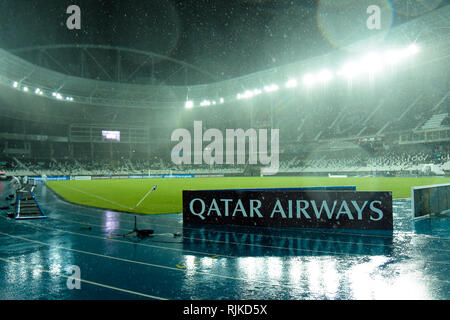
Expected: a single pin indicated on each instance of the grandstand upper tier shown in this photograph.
(429, 33)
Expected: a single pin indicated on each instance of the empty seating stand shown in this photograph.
(435, 121)
(27, 206)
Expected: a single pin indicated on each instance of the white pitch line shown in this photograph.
(85, 281)
(98, 197)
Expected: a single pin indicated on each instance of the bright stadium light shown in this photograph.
(291, 83)
(15, 84)
(59, 96)
(412, 49)
(54, 94)
(372, 63)
(271, 88)
(309, 80)
(221, 100)
(248, 94)
(393, 56)
(189, 104)
(37, 90)
(350, 70)
(205, 103)
(25, 89)
(325, 75)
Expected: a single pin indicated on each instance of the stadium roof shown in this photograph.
(430, 32)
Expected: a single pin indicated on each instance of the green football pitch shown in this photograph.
(133, 195)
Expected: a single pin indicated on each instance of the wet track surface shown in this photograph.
(412, 262)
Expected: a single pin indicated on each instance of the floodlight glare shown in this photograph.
(372, 63)
(309, 80)
(189, 104)
(291, 83)
(271, 88)
(205, 103)
(393, 56)
(25, 89)
(222, 100)
(15, 84)
(58, 96)
(350, 70)
(413, 49)
(325, 76)
(248, 94)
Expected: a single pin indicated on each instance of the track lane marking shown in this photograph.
(40, 270)
(276, 283)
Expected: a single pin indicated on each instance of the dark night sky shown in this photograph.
(227, 38)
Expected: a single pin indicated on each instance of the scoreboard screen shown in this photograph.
(111, 135)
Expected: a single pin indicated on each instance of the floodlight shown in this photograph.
(309, 80)
(189, 104)
(372, 63)
(350, 70)
(58, 96)
(271, 88)
(291, 83)
(25, 89)
(325, 75)
(412, 49)
(248, 94)
(393, 56)
(221, 100)
(205, 103)
(15, 84)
